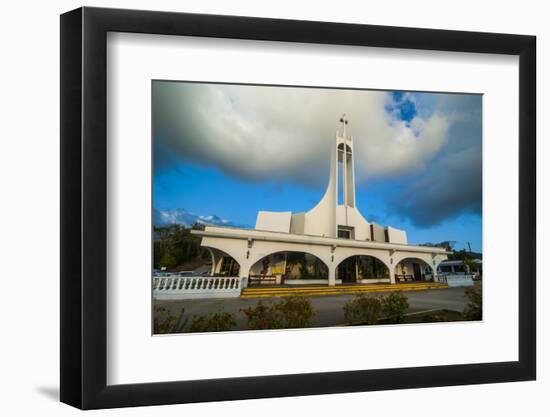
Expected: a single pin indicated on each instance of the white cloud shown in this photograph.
(285, 133)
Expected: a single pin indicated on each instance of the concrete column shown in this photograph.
(392, 276)
(332, 275)
(218, 264)
(244, 270)
(213, 259)
(434, 269)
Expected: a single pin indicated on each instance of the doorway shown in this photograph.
(347, 270)
(417, 272)
(229, 267)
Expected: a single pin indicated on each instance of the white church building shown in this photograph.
(330, 244)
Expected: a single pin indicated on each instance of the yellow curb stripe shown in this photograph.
(378, 288)
(371, 285)
(331, 292)
(358, 287)
(346, 291)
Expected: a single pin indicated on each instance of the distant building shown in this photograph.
(330, 244)
(458, 267)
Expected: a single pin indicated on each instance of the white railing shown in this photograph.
(456, 280)
(181, 288)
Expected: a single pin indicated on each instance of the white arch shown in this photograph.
(217, 259)
(417, 258)
(260, 249)
(424, 260)
(425, 257)
(225, 249)
(232, 247)
(259, 257)
(341, 254)
(386, 264)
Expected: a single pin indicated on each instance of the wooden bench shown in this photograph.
(262, 279)
(404, 278)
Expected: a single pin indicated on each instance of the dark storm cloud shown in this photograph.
(457, 190)
(284, 134)
(453, 184)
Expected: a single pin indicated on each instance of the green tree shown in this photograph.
(177, 245)
(168, 261)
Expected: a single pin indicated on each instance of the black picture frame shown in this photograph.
(84, 207)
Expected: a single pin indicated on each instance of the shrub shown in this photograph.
(163, 321)
(394, 307)
(436, 318)
(473, 310)
(296, 312)
(363, 309)
(291, 312)
(215, 322)
(262, 316)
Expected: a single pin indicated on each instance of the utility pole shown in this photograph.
(469, 247)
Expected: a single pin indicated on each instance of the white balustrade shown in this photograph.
(456, 280)
(174, 287)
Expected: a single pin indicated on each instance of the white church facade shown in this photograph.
(330, 244)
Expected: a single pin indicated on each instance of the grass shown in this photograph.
(435, 317)
(432, 316)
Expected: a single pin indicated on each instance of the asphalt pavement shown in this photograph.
(328, 309)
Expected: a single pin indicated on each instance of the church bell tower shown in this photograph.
(346, 167)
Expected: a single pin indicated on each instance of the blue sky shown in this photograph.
(232, 150)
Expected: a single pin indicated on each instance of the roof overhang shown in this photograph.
(459, 262)
(270, 236)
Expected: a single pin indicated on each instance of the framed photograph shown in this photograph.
(257, 208)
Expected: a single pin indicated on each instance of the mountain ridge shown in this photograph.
(166, 217)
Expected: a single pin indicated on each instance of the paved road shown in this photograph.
(328, 309)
